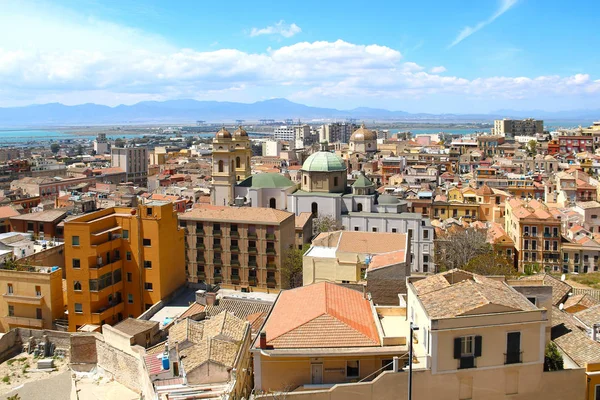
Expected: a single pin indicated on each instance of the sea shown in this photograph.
(11, 137)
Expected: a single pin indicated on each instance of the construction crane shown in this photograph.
(289, 121)
(239, 121)
(200, 123)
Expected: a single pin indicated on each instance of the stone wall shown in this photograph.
(10, 345)
(83, 350)
(47, 258)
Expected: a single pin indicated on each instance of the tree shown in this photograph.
(189, 141)
(490, 263)
(553, 360)
(54, 147)
(119, 142)
(79, 150)
(326, 223)
(456, 247)
(291, 267)
(531, 147)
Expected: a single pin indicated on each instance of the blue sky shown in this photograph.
(429, 56)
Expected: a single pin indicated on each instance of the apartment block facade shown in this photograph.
(535, 232)
(511, 128)
(237, 247)
(132, 160)
(120, 261)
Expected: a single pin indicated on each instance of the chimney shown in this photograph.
(263, 340)
(201, 297)
(211, 298)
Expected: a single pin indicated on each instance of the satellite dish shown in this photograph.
(562, 277)
(561, 306)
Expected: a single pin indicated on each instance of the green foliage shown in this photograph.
(490, 263)
(530, 269)
(54, 147)
(119, 142)
(6, 379)
(14, 397)
(291, 268)
(531, 147)
(553, 360)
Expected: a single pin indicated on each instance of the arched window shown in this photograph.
(237, 162)
(221, 166)
(76, 285)
(273, 202)
(314, 208)
(359, 207)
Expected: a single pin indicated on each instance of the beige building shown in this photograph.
(237, 247)
(231, 163)
(32, 297)
(343, 256)
(132, 160)
(511, 127)
(535, 233)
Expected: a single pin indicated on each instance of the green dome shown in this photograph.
(387, 199)
(269, 180)
(323, 161)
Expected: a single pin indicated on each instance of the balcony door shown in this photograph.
(513, 347)
(316, 374)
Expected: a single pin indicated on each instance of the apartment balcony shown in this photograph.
(217, 262)
(217, 247)
(235, 279)
(199, 232)
(217, 279)
(13, 321)
(234, 263)
(107, 246)
(547, 235)
(252, 235)
(252, 250)
(105, 313)
(270, 236)
(252, 281)
(235, 248)
(271, 250)
(271, 266)
(253, 264)
(25, 300)
(271, 283)
(201, 276)
(97, 271)
(513, 357)
(234, 234)
(217, 233)
(103, 293)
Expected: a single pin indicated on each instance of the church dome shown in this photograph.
(240, 132)
(387, 199)
(223, 134)
(362, 134)
(323, 161)
(269, 180)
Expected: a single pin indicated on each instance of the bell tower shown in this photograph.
(223, 169)
(242, 153)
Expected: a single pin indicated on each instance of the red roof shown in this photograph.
(321, 315)
(154, 363)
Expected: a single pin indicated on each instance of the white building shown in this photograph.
(285, 133)
(132, 160)
(101, 145)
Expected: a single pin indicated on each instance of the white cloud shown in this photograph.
(73, 63)
(438, 70)
(467, 31)
(280, 28)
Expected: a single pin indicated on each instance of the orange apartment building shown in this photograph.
(237, 247)
(120, 261)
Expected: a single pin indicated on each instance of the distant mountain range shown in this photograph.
(188, 111)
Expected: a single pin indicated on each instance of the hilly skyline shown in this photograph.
(189, 111)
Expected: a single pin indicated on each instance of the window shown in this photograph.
(147, 264)
(425, 234)
(394, 230)
(466, 349)
(38, 291)
(533, 300)
(147, 242)
(467, 346)
(513, 348)
(335, 181)
(374, 229)
(149, 211)
(356, 228)
(76, 263)
(148, 286)
(78, 308)
(38, 313)
(11, 311)
(130, 298)
(75, 240)
(128, 256)
(352, 369)
(30, 227)
(129, 277)
(10, 289)
(76, 285)
(125, 234)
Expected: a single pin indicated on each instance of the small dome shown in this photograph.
(387, 199)
(362, 134)
(240, 132)
(323, 161)
(269, 180)
(223, 134)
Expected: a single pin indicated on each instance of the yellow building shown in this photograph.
(120, 261)
(535, 233)
(32, 297)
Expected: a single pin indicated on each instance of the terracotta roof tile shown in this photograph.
(362, 242)
(589, 316)
(8, 211)
(203, 212)
(572, 339)
(582, 300)
(386, 259)
(319, 315)
(560, 289)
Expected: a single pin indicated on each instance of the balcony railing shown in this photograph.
(270, 236)
(235, 279)
(513, 357)
(252, 281)
(252, 263)
(466, 362)
(235, 262)
(201, 276)
(200, 246)
(253, 235)
(252, 250)
(218, 279)
(217, 232)
(271, 283)
(234, 234)
(235, 248)
(102, 314)
(28, 300)
(218, 262)
(217, 247)
(271, 250)
(200, 232)
(271, 266)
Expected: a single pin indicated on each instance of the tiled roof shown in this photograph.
(302, 219)
(583, 300)
(560, 289)
(132, 326)
(455, 292)
(241, 308)
(8, 211)
(202, 212)
(256, 320)
(321, 315)
(572, 340)
(42, 216)
(362, 242)
(590, 316)
(386, 259)
(153, 363)
(193, 309)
